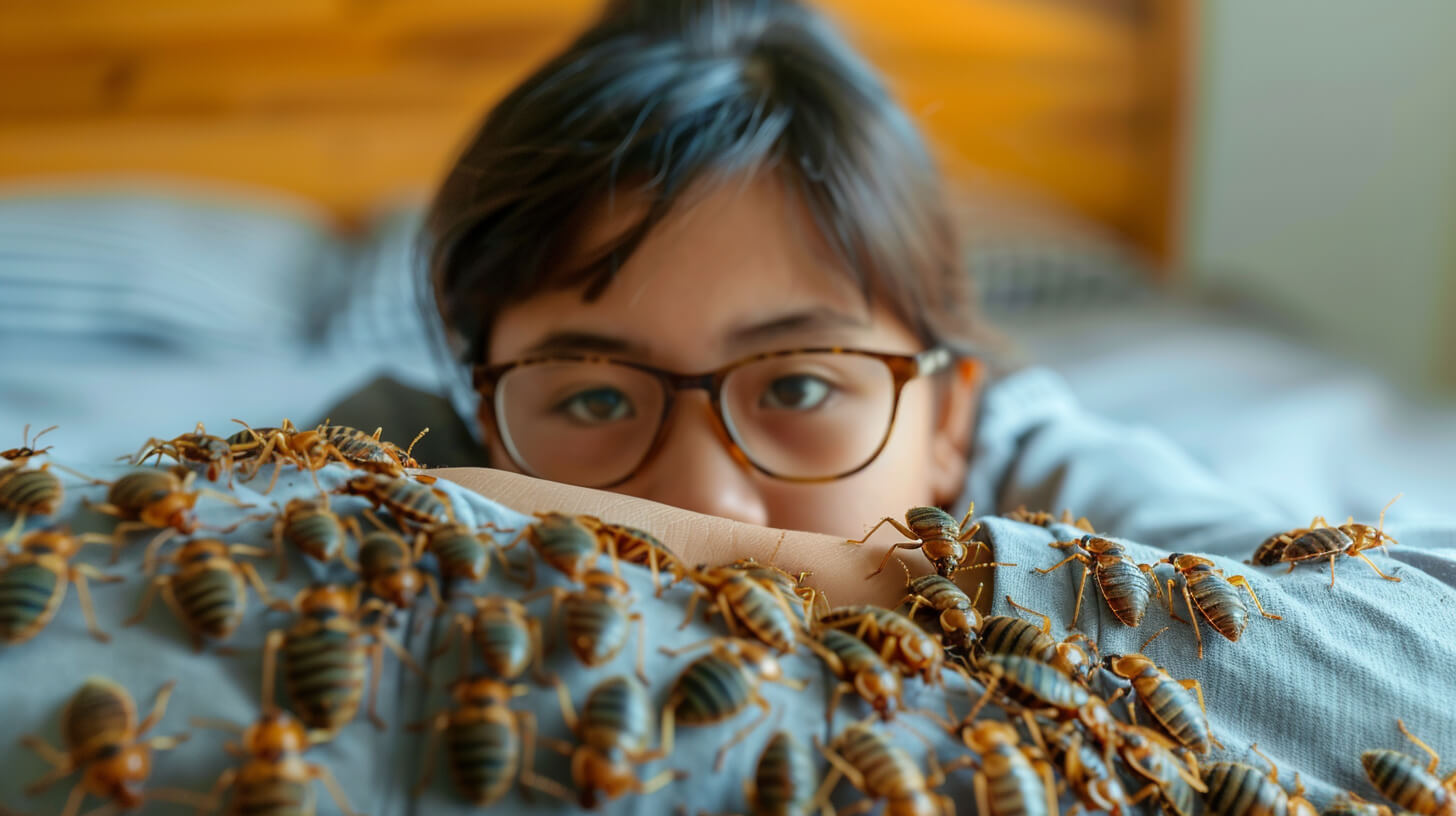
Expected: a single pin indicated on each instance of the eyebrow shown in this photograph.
(580, 342)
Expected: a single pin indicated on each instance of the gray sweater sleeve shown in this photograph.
(1314, 689)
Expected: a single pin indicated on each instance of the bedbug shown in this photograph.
(368, 452)
(745, 602)
(859, 669)
(305, 450)
(1347, 803)
(958, 618)
(599, 618)
(508, 637)
(153, 499)
(1042, 518)
(1030, 682)
(409, 499)
(462, 552)
(324, 656)
(898, 639)
(1322, 540)
(1402, 779)
(1216, 597)
(33, 585)
(1007, 635)
(206, 592)
(1090, 772)
(934, 532)
(612, 735)
(488, 744)
(568, 543)
(783, 780)
(719, 685)
(1010, 780)
(27, 491)
(1236, 789)
(276, 779)
(1180, 712)
(882, 770)
(102, 737)
(1175, 782)
(805, 601)
(1126, 585)
(311, 527)
(636, 546)
(387, 566)
(199, 447)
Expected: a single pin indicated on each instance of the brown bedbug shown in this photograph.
(747, 603)
(805, 601)
(570, 544)
(935, 533)
(324, 656)
(409, 499)
(635, 546)
(152, 499)
(1174, 781)
(368, 452)
(599, 618)
(1029, 682)
(1126, 585)
(508, 637)
(275, 779)
(1215, 597)
(859, 669)
(1090, 773)
(103, 740)
(305, 450)
(206, 591)
(612, 735)
(1347, 803)
(882, 770)
(1323, 540)
(1042, 518)
(719, 685)
(33, 585)
(783, 780)
(387, 566)
(957, 618)
(1237, 789)
(489, 745)
(1402, 779)
(462, 552)
(1177, 705)
(1011, 778)
(199, 447)
(1007, 635)
(312, 528)
(899, 640)
(27, 491)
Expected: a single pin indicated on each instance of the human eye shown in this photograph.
(796, 392)
(595, 406)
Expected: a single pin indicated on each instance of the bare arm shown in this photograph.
(838, 568)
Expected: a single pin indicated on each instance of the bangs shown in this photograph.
(649, 105)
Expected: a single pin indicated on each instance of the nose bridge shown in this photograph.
(698, 467)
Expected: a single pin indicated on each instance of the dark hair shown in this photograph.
(660, 94)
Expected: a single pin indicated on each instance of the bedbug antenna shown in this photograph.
(1144, 648)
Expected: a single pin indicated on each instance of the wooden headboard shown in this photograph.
(347, 102)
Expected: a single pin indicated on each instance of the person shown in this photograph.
(703, 274)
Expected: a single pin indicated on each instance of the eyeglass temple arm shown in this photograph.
(933, 360)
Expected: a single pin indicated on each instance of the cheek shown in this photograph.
(897, 480)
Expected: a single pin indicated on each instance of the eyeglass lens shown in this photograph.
(800, 416)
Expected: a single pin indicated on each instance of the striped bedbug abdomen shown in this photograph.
(616, 715)
(636, 546)
(784, 780)
(859, 669)
(612, 733)
(598, 618)
(1013, 786)
(484, 746)
(886, 772)
(31, 491)
(1403, 780)
(1090, 775)
(750, 604)
(1146, 756)
(1321, 542)
(713, 688)
(1035, 683)
(99, 716)
(1218, 601)
(324, 667)
(506, 634)
(958, 619)
(565, 542)
(1125, 586)
(1007, 635)
(1236, 789)
(898, 639)
(31, 590)
(311, 528)
(462, 553)
(405, 498)
(211, 595)
(1175, 708)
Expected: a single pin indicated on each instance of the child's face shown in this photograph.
(741, 269)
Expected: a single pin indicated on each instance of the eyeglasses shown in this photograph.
(804, 415)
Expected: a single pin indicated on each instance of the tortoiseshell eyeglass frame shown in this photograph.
(903, 368)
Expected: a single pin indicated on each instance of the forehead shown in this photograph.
(731, 258)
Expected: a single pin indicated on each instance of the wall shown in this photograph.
(1324, 171)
